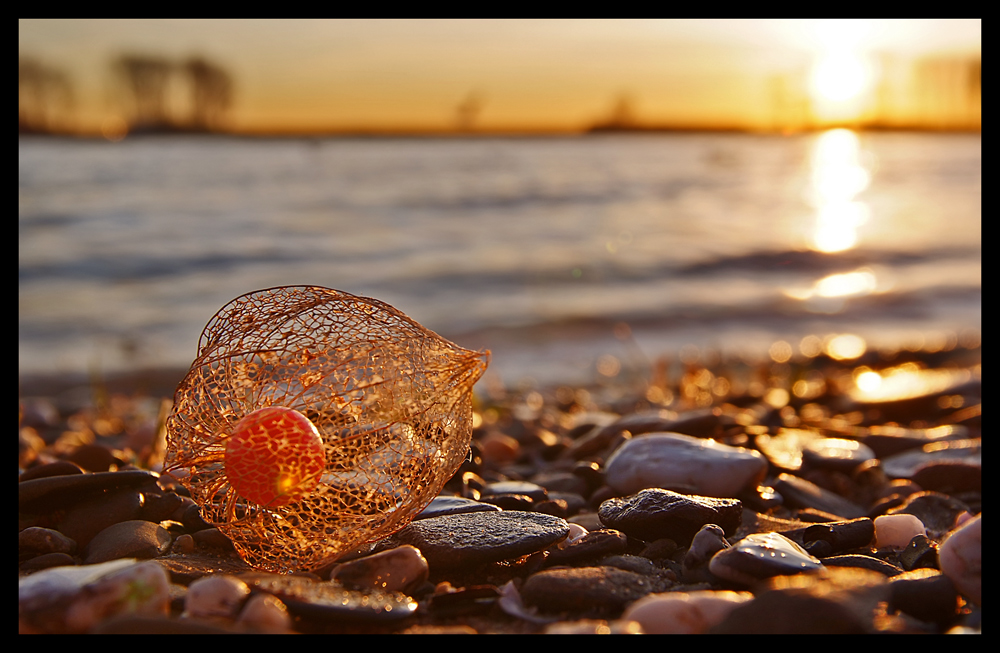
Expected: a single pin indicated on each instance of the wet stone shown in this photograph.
(886, 441)
(676, 461)
(839, 536)
(467, 539)
(654, 513)
(937, 512)
(800, 493)
(866, 562)
(321, 600)
(586, 591)
(906, 464)
(838, 454)
(927, 595)
(785, 449)
(920, 553)
(591, 546)
(762, 555)
(56, 492)
(532, 490)
(397, 570)
(445, 505)
(128, 539)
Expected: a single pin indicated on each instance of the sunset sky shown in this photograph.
(557, 75)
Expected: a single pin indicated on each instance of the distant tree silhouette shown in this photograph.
(145, 81)
(211, 93)
(43, 93)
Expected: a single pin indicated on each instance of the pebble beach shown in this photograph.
(790, 495)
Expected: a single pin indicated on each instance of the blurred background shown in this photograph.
(582, 197)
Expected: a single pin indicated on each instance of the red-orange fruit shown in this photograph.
(274, 456)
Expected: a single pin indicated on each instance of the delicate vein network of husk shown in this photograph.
(391, 400)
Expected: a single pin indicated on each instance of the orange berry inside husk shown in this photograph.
(274, 456)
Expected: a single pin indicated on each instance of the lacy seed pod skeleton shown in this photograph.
(314, 421)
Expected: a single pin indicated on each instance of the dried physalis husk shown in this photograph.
(314, 421)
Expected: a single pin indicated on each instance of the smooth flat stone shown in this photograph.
(443, 505)
(906, 464)
(655, 514)
(886, 441)
(321, 600)
(467, 539)
(762, 555)
(838, 454)
(587, 591)
(804, 494)
(128, 539)
(676, 461)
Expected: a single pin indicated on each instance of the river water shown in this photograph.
(567, 256)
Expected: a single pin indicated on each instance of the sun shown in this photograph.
(840, 76)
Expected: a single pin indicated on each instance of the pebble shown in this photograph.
(591, 546)
(823, 540)
(128, 539)
(836, 453)
(654, 514)
(215, 597)
(531, 490)
(920, 553)
(58, 468)
(762, 555)
(681, 462)
(800, 493)
(906, 464)
(960, 558)
(949, 477)
(785, 449)
(842, 601)
(595, 627)
(265, 613)
(445, 505)
(587, 591)
(324, 601)
(886, 441)
(468, 539)
(897, 530)
(34, 541)
(925, 594)
(863, 562)
(401, 569)
(684, 613)
(706, 543)
(938, 512)
(74, 599)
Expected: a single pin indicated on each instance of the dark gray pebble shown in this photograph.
(586, 591)
(467, 539)
(56, 492)
(58, 468)
(510, 501)
(906, 464)
(949, 477)
(863, 562)
(839, 536)
(655, 513)
(46, 561)
(762, 555)
(128, 539)
(800, 493)
(920, 553)
(445, 505)
(839, 454)
(926, 595)
(323, 601)
(937, 511)
(36, 541)
(591, 546)
(791, 612)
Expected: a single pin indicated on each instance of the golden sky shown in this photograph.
(509, 74)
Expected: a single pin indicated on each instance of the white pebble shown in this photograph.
(576, 532)
(897, 530)
(683, 613)
(961, 559)
(215, 596)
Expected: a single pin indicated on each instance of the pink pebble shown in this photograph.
(897, 530)
(961, 559)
